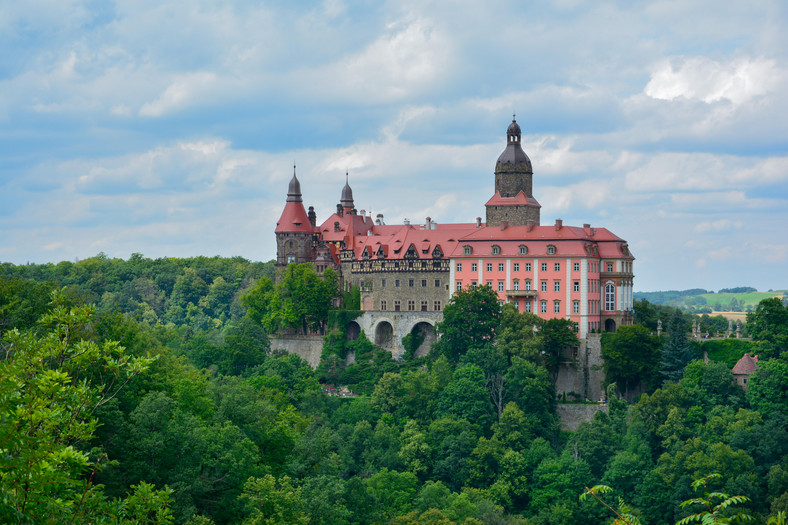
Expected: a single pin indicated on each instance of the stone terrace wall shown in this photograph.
(307, 347)
(572, 415)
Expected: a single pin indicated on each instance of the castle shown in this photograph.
(408, 272)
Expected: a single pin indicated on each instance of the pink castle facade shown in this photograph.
(579, 273)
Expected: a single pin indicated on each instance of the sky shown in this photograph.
(170, 128)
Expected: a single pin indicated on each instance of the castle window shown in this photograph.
(396, 306)
(523, 249)
(544, 286)
(576, 286)
(410, 283)
(474, 284)
(610, 297)
(474, 267)
(436, 306)
(516, 267)
(577, 266)
(543, 307)
(489, 267)
(383, 283)
(500, 267)
(383, 305)
(557, 267)
(556, 286)
(411, 306)
(496, 250)
(459, 285)
(396, 283)
(424, 283)
(500, 286)
(437, 283)
(424, 306)
(528, 285)
(557, 307)
(516, 284)
(544, 267)
(291, 244)
(467, 250)
(290, 259)
(527, 267)
(488, 283)
(527, 306)
(575, 307)
(550, 249)
(459, 267)
(610, 267)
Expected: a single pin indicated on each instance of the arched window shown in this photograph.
(523, 249)
(610, 297)
(496, 250)
(550, 249)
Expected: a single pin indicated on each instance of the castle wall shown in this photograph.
(307, 347)
(515, 215)
(572, 415)
(586, 378)
(420, 281)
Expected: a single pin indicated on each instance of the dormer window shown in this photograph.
(437, 253)
(467, 250)
(550, 249)
(523, 249)
(496, 250)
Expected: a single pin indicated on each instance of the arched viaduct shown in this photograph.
(386, 329)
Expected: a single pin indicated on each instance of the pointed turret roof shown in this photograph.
(294, 217)
(346, 199)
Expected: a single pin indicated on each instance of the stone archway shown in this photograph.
(353, 331)
(384, 334)
(426, 332)
(610, 325)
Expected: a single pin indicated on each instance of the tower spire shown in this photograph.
(294, 189)
(346, 198)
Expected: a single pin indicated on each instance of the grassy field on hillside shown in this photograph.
(752, 298)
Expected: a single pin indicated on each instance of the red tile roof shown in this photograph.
(518, 200)
(294, 219)
(746, 365)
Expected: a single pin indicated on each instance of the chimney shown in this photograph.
(340, 210)
(336, 226)
(406, 222)
(504, 225)
(379, 220)
(558, 224)
(529, 225)
(312, 216)
(478, 222)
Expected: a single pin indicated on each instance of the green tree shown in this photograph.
(271, 501)
(300, 300)
(469, 321)
(767, 390)
(467, 397)
(631, 357)
(769, 323)
(676, 350)
(558, 335)
(50, 387)
(715, 505)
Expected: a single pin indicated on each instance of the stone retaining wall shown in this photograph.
(572, 415)
(307, 347)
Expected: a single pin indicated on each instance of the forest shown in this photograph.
(144, 391)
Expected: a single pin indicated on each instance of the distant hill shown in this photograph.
(698, 300)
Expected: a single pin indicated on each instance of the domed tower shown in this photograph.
(346, 198)
(513, 201)
(294, 230)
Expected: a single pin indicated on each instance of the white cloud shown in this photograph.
(717, 226)
(702, 78)
(179, 93)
